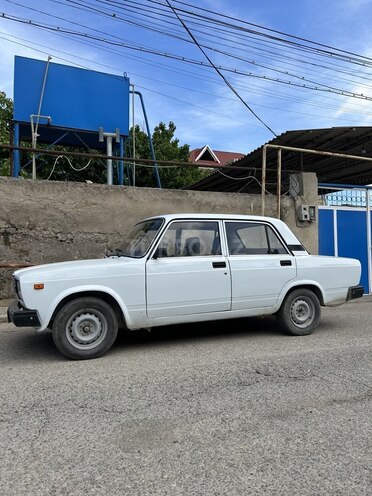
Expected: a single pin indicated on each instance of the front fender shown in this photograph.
(45, 316)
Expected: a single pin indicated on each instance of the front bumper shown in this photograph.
(355, 292)
(22, 317)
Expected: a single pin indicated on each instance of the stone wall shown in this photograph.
(48, 221)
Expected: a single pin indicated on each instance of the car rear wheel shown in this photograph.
(300, 312)
(85, 328)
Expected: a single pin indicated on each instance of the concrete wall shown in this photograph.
(47, 221)
(306, 232)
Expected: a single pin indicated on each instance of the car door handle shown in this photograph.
(219, 265)
(285, 262)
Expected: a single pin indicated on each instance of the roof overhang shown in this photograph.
(355, 141)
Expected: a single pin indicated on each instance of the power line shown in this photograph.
(276, 94)
(220, 73)
(192, 75)
(166, 82)
(144, 26)
(181, 58)
(273, 30)
(349, 56)
(87, 5)
(205, 109)
(252, 62)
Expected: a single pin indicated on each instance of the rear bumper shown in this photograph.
(355, 292)
(22, 317)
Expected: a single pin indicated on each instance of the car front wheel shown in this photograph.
(85, 328)
(300, 312)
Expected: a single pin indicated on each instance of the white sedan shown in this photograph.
(181, 268)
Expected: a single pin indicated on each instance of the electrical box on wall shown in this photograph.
(312, 211)
(306, 213)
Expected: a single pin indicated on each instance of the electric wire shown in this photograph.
(295, 65)
(276, 94)
(331, 51)
(88, 5)
(180, 58)
(270, 42)
(141, 75)
(204, 109)
(70, 163)
(272, 30)
(182, 87)
(239, 48)
(253, 62)
(271, 107)
(251, 178)
(220, 73)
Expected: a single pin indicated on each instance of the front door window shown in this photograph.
(190, 239)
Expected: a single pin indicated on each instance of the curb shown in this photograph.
(3, 310)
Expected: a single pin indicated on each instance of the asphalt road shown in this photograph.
(232, 408)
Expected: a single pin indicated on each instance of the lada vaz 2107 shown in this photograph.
(180, 268)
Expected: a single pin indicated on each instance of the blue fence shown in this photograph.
(345, 227)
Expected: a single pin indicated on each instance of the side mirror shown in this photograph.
(156, 254)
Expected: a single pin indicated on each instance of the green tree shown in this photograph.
(166, 147)
(6, 115)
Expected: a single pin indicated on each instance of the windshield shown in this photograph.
(139, 238)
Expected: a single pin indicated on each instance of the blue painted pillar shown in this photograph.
(16, 153)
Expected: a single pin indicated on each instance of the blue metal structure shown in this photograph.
(345, 226)
(74, 98)
(343, 233)
(326, 232)
(77, 101)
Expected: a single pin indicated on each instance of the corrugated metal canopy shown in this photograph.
(348, 140)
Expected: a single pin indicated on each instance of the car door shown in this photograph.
(187, 273)
(260, 264)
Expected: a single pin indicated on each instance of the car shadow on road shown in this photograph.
(200, 331)
(31, 346)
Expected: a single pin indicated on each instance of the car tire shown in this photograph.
(85, 328)
(300, 312)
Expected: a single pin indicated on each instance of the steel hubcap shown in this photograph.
(86, 330)
(302, 312)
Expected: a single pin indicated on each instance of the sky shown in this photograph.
(193, 95)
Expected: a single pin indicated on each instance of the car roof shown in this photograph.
(287, 234)
(203, 216)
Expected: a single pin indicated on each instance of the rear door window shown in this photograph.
(253, 238)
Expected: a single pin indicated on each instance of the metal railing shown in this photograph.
(279, 148)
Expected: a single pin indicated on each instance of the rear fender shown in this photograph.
(308, 284)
